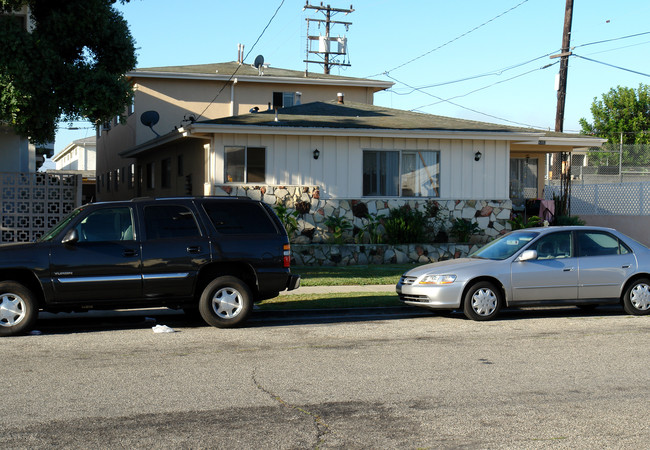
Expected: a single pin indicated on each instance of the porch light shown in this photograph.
(477, 156)
(316, 154)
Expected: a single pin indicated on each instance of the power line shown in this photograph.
(612, 40)
(237, 69)
(474, 77)
(464, 107)
(490, 85)
(612, 65)
(449, 42)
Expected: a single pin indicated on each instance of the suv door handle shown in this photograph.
(194, 249)
(129, 253)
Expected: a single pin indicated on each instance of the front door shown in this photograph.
(552, 276)
(104, 264)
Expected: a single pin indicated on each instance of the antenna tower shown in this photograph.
(328, 58)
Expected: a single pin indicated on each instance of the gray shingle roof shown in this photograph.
(228, 68)
(365, 116)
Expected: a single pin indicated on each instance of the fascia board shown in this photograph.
(360, 132)
(567, 141)
(262, 79)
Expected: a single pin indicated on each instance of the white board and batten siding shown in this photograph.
(339, 168)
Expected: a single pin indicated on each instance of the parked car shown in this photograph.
(212, 255)
(583, 266)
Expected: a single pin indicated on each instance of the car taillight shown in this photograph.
(286, 258)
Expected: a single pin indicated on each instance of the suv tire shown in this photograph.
(225, 302)
(18, 310)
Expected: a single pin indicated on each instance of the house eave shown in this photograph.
(207, 129)
(375, 84)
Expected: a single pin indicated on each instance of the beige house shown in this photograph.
(170, 98)
(354, 150)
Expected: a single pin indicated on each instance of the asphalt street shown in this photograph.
(389, 378)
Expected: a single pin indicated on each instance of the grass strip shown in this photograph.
(351, 275)
(339, 300)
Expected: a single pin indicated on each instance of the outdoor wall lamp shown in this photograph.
(477, 156)
(316, 154)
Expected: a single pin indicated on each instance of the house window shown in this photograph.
(131, 108)
(245, 164)
(166, 173)
(116, 178)
(283, 99)
(179, 165)
(151, 170)
(131, 176)
(523, 178)
(109, 180)
(406, 173)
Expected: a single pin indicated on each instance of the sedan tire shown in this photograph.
(483, 301)
(18, 308)
(225, 302)
(636, 300)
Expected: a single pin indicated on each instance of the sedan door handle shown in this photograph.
(567, 269)
(627, 266)
(195, 249)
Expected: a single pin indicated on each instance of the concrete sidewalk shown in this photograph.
(390, 288)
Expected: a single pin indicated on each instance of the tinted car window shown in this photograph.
(593, 243)
(239, 218)
(109, 224)
(169, 221)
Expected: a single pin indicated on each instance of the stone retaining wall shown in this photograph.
(358, 254)
(491, 215)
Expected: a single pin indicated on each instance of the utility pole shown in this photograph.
(564, 208)
(564, 66)
(329, 57)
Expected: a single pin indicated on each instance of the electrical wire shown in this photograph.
(611, 40)
(237, 69)
(490, 85)
(611, 65)
(474, 77)
(466, 108)
(448, 42)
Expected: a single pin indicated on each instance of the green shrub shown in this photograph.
(338, 226)
(518, 222)
(568, 220)
(463, 229)
(287, 218)
(406, 226)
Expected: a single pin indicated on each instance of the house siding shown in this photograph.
(338, 170)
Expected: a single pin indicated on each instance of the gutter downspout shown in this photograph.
(232, 97)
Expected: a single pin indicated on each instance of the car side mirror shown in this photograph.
(527, 255)
(71, 237)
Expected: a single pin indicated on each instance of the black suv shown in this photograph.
(214, 255)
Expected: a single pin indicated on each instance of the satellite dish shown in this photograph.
(149, 119)
(259, 62)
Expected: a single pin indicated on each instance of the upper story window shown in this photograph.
(245, 164)
(405, 173)
(284, 99)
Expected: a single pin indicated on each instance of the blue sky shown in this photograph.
(485, 41)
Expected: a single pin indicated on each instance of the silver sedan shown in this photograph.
(584, 266)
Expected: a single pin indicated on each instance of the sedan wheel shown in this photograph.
(636, 300)
(225, 302)
(482, 301)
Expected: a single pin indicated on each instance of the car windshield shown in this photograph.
(59, 226)
(505, 246)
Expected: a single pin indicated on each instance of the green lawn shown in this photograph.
(351, 275)
(340, 300)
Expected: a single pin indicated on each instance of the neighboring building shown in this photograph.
(170, 98)
(17, 154)
(78, 155)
